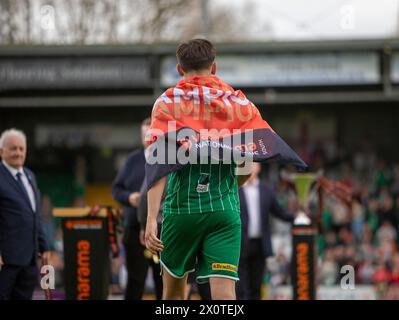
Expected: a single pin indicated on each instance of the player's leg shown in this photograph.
(136, 264)
(222, 288)
(218, 261)
(173, 288)
(181, 236)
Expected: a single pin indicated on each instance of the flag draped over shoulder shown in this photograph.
(206, 118)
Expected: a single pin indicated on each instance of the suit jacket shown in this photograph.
(129, 179)
(268, 205)
(21, 232)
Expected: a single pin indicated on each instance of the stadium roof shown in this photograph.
(169, 48)
(386, 90)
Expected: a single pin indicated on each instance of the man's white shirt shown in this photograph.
(251, 191)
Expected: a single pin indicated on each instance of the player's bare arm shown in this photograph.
(154, 197)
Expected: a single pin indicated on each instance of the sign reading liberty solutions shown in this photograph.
(74, 73)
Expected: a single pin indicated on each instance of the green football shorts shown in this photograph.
(209, 242)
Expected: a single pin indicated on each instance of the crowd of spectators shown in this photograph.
(362, 234)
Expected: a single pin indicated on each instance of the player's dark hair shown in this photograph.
(196, 54)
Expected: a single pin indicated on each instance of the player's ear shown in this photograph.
(180, 70)
(213, 68)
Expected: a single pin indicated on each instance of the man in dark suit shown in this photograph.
(257, 202)
(126, 190)
(21, 233)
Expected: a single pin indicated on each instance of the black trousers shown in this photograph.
(156, 275)
(250, 272)
(204, 289)
(137, 267)
(18, 283)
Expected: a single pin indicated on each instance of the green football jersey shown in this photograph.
(202, 188)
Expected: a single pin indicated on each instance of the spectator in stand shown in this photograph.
(357, 217)
(371, 214)
(341, 216)
(350, 255)
(365, 272)
(340, 259)
(386, 210)
(328, 270)
(386, 233)
(395, 269)
(279, 268)
(345, 237)
(331, 239)
(284, 266)
(383, 176)
(366, 252)
(386, 251)
(381, 279)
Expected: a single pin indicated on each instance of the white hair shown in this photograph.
(10, 132)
